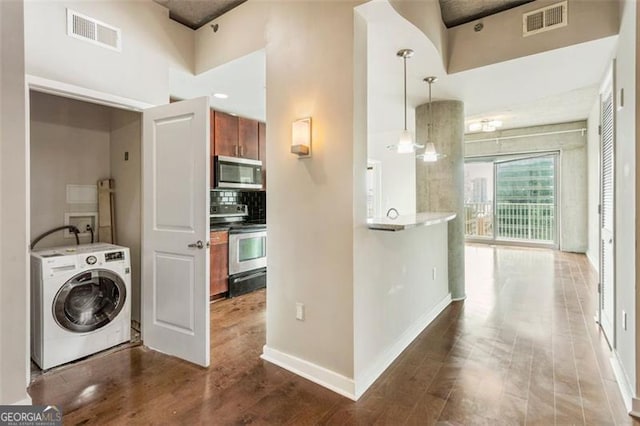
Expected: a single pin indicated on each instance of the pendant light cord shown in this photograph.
(430, 117)
(405, 92)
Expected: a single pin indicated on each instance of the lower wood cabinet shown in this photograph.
(219, 272)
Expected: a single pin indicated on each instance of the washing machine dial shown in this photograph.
(91, 260)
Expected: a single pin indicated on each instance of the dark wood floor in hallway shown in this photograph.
(522, 349)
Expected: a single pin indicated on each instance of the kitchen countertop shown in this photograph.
(407, 221)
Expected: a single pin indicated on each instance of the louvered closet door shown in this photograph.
(607, 243)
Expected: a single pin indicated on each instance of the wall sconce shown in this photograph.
(301, 138)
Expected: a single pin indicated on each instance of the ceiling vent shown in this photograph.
(85, 28)
(545, 19)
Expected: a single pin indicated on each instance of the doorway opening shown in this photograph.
(85, 174)
(512, 199)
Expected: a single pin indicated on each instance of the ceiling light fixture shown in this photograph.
(430, 155)
(220, 95)
(405, 143)
(485, 126)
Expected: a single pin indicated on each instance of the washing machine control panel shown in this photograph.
(91, 260)
(114, 256)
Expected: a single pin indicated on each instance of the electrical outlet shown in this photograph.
(300, 311)
(624, 320)
(433, 274)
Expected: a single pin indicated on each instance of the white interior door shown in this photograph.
(175, 251)
(607, 235)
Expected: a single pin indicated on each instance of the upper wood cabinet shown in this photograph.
(225, 133)
(248, 138)
(235, 136)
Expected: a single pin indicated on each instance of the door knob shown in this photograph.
(198, 244)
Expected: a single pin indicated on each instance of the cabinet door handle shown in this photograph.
(241, 150)
(236, 148)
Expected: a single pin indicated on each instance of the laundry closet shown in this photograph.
(74, 145)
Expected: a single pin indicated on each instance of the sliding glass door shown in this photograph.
(520, 207)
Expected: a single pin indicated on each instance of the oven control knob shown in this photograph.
(91, 260)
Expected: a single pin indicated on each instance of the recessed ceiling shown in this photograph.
(196, 13)
(457, 12)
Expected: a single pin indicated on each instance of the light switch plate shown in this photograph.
(300, 311)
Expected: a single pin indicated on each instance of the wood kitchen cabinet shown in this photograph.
(219, 265)
(248, 138)
(234, 136)
(225, 134)
(262, 148)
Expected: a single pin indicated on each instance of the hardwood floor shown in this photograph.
(522, 349)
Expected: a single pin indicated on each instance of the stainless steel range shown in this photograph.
(247, 248)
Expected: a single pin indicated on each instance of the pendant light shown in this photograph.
(430, 155)
(405, 143)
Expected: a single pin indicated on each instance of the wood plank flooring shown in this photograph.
(522, 349)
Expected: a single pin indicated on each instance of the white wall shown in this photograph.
(151, 44)
(501, 38)
(69, 146)
(14, 293)
(241, 31)
(398, 171)
(573, 170)
(310, 201)
(126, 136)
(395, 295)
(625, 192)
(593, 185)
(427, 17)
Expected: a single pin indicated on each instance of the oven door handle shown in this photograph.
(248, 277)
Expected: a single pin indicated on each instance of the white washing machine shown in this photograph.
(80, 301)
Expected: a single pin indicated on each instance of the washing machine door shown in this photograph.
(89, 300)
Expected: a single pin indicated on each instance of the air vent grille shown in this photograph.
(85, 28)
(535, 21)
(545, 19)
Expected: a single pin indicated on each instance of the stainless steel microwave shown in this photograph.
(240, 173)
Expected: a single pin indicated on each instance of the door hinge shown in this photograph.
(599, 129)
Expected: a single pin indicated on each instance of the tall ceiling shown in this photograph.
(457, 12)
(196, 13)
(556, 86)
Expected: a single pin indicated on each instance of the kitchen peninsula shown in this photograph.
(401, 284)
(400, 223)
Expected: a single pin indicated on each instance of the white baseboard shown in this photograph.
(385, 359)
(26, 401)
(623, 382)
(635, 408)
(324, 377)
(593, 262)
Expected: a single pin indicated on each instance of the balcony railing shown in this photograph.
(478, 219)
(530, 222)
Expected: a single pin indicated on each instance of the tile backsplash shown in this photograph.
(221, 197)
(256, 200)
